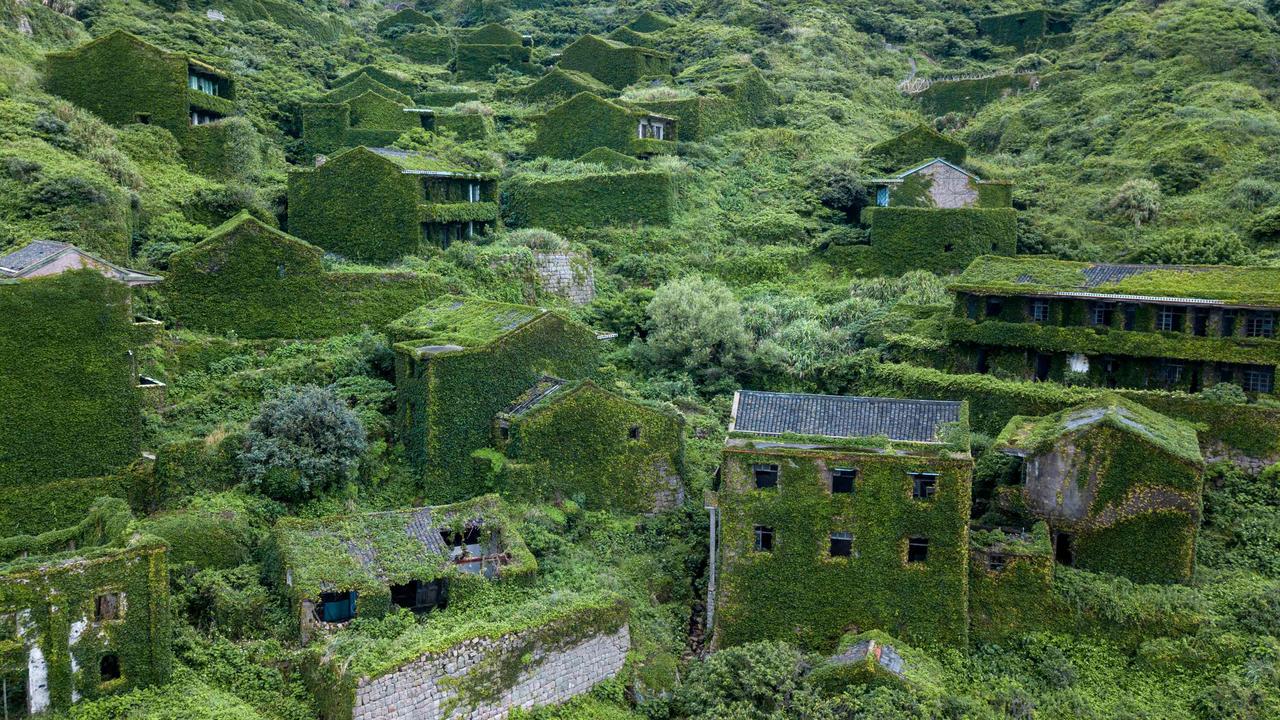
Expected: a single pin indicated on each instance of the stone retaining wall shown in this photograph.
(427, 688)
(568, 275)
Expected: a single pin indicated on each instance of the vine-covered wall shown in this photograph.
(613, 63)
(447, 400)
(258, 282)
(798, 592)
(642, 197)
(598, 448)
(586, 122)
(937, 239)
(68, 391)
(476, 61)
(561, 84)
(915, 146)
(969, 96)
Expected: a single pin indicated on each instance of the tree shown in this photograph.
(1137, 201)
(1193, 246)
(695, 325)
(843, 187)
(303, 441)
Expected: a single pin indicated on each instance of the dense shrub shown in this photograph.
(302, 442)
(696, 325)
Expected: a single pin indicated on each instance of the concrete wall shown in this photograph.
(426, 689)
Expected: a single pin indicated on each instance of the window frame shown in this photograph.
(842, 537)
(920, 544)
(758, 468)
(920, 491)
(760, 544)
(1039, 310)
(851, 474)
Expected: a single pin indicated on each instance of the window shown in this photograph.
(1039, 310)
(841, 544)
(1044, 362)
(108, 607)
(923, 485)
(842, 480)
(1169, 373)
(337, 607)
(143, 118)
(1063, 552)
(1103, 313)
(1130, 317)
(109, 667)
(421, 597)
(1260, 324)
(948, 247)
(917, 550)
(202, 83)
(1228, 323)
(504, 432)
(764, 539)
(1200, 322)
(1169, 319)
(766, 475)
(995, 562)
(994, 306)
(203, 118)
(634, 432)
(1259, 380)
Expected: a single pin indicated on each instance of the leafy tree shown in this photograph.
(303, 441)
(1225, 392)
(748, 681)
(696, 325)
(843, 187)
(1137, 201)
(1213, 246)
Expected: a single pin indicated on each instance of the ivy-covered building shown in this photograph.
(1028, 30)
(124, 79)
(362, 112)
(381, 204)
(559, 84)
(617, 195)
(72, 392)
(839, 512)
(481, 49)
(919, 142)
(578, 441)
(1119, 485)
(938, 216)
(1113, 325)
(587, 121)
(84, 612)
(343, 567)
(462, 361)
(613, 63)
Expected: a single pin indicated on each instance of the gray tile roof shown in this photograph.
(841, 416)
(20, 260)
(1104, 273)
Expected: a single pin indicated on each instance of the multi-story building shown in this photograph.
(841, 513)
(1126, 326)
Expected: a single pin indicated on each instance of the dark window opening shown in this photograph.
(764, 539)
(842, 480)
(421, 597)
(1130, 317)
(948, 247)
(995, 247)
(924, 485)
(109, 667)
(13, 693)
(841, 544)
(995, 562)
(1039, 310)
(143, 118)
(1063, 552)
(1110, 366)
(1200, 323)
(1260, 324)
(766, 475)
(634, 432)
(1169, 319)
(917, 550)
(1228, 323)
(337, 607)
(107, 607)
(994, 306)
(1169, 373)
(1043, 363)
(980, 362)
(504, 432)
(1103, 314)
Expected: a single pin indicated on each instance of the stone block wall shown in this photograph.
(428, 688)
(568, 275)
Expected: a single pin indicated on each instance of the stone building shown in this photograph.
(84, 613)
(939, 183)
(460, 362)
(381, 204)
(836, 513)
(1128, 326)
(576, 440)
(1119, 485)
(343, 567)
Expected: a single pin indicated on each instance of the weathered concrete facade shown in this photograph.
(427, 688)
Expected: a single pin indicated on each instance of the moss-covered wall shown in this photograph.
(258, 282)
(968, 96)
(358, 205)
(447, 401)
(1025, 30)
(388, 79)
(53, 597)
(476, 61)
(67, 393)
(583, 123)
(702, 117)
(434, 46)
(597, 448)
(915, 146)
(613, 63)
(937, 239)
(798, 592)
(639, 197)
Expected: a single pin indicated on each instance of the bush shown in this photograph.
(302, 441)
(748, 681)
(1137, 201)
(696, 325)
(1193, 246)
(1227, 393)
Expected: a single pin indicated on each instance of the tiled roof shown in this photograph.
(20, 260)
(840, 416)
(1103, 273)
(545, 386)
(42, 257)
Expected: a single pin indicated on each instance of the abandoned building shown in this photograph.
(71, 365)
(480, 50)
(576, 440)
(613, 63)
(84, 613)
(406, 201)
(343, 567)
(124, 79)
(939, 183)
(462, 361)
(1121, 326)
(587, 121)
(1119, 485)
(837, 512)
(1028, 30)
(910, 146)
(729, 96)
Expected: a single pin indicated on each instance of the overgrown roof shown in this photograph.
(1034, 275)
(842, 416)
(903, 174)
(614, 45)
(105, 530)
(649, 21)
(463, 322)
(1033, 435)
(374, 550)
(545, 387)
(244, 220)
(152, 47)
